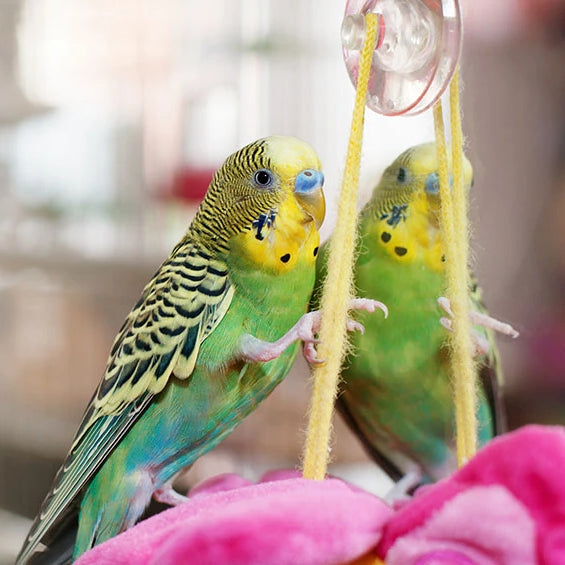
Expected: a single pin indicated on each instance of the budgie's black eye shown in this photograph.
(401, 177)
(263, 178)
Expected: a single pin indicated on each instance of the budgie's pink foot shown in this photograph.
(168, 495)
(254, 349)
(402, 489)
(367, 304)
(482, 344)
(305, 329)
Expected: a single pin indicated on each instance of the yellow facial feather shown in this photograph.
(290, 237)
(291, 240)
(422, 160)
(413, 233)
(290, 155)
(417, 238)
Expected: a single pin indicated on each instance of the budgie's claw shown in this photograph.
(352, 325)
(311, 355)
(367, 304)
(310, 325)
(402, 489)
(355, 326)
(446, 323)
(477, 318)
(482, 344)
(305, 329)
(496, 325)
(168, 495)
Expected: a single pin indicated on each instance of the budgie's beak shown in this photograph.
(432, 180)
(309, 194)
(432, 184)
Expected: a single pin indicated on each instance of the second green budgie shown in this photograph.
(395, 392)
(215, 330)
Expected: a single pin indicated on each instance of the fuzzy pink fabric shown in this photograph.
(507, 505)
(287, 521)
(462, 533)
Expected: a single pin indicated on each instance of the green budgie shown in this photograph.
(213, 333)
(395, 392)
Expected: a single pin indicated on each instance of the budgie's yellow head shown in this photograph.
(268, 198)
(404, 206)
(413, 174)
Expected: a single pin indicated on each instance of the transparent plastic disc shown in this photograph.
(417, 51)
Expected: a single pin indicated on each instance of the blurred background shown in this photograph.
(113, 116)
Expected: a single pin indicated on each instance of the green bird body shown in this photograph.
(182, 373)
(395, 391)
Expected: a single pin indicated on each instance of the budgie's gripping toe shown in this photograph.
(254, 349)
(482, 344)
(168, 495)
(367, 304)
(311, 355)
(306, 329)
(402, 489)
(355, 326)
(477, 318)
(496, 325)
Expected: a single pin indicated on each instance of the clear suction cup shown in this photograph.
(417, 50)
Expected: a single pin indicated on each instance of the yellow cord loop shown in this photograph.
(339, 281)
(455, 233)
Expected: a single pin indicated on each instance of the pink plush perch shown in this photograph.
(287, 521)
(506, 506)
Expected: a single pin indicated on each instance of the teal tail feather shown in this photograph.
(105, 512)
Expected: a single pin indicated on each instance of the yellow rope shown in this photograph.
(339, 281)
(456, 245)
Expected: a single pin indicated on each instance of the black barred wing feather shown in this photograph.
(181, 305)
(161, 337)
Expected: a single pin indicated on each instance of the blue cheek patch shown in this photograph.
(308, 180)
